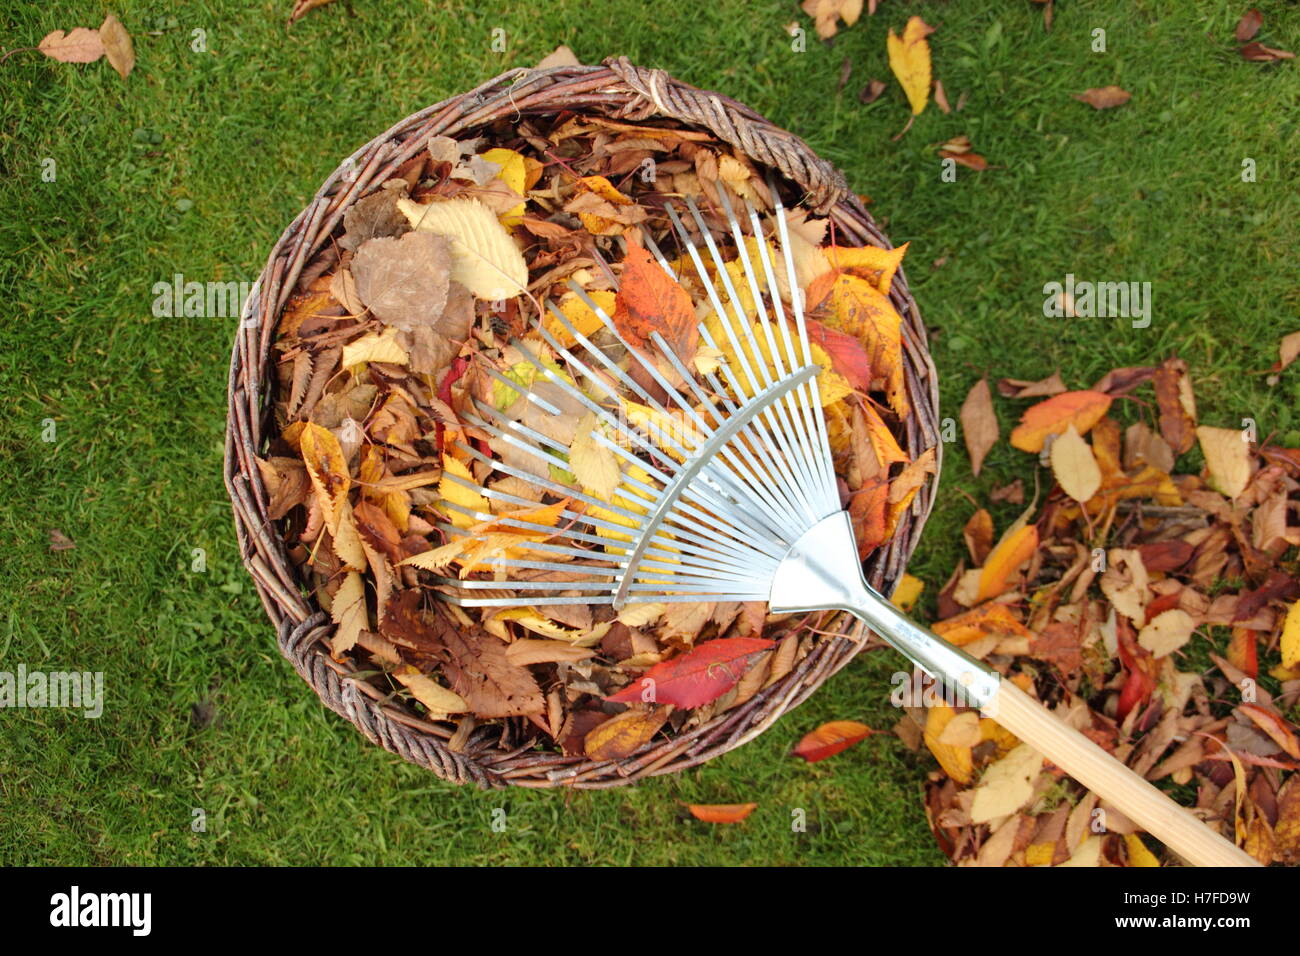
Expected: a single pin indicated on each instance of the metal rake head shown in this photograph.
(701, 513)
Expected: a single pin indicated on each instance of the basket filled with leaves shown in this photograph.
(438, 280)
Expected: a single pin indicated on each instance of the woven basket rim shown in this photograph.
(493, 755)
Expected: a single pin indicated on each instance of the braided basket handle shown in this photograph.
(734, 123)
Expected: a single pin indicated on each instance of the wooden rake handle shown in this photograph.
(1105, 776)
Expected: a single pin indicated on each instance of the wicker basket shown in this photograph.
(500, 754)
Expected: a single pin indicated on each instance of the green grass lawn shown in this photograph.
(199, 160)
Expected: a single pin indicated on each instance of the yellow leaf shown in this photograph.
(1291, 638)
(429, 692)
(349, 613)
(592, 463)
(1138, 854)
(907, 592)
(909, 58)
(1006, 785)
(347, 542)
(956, 761)
(513, 173)
(580, 315)
(1075, 466)
(639, 615)
(375, 347)
(458, 494)
(872, 263)
(603, 188)
(1227, 458)
(484, 258)
(327, 469)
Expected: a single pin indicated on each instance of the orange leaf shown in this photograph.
(829, 739)
(1053, 416)
(955, 760)
(649, 300)
(721, 812)
(1269, 721)
(983, 621)
(1011, 552)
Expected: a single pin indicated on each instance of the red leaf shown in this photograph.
(721, 812)
(696, 677)
(848, 357)
(829, 739)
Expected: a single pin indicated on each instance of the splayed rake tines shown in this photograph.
(710, 496)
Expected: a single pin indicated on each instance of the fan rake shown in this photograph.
(728, 493)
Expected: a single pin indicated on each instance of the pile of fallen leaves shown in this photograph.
(407, 318)
(1155, 611)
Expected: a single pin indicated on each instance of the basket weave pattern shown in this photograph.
(496, 755)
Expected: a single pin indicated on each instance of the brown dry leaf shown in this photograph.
(979, 536)
(826, 14)
(909, 58)
(1045, 388)
(940, 97)
(1227, 458)
(527, 650)
(1177, 405)
(979, 424)
(302, 7)
(117, 44)
(1288, 351)
(1248, 25)
(623, 735)
(81, 45)
(1258, 53)
(481, 673)
(405, 281)
(1075, 466)
(60, 541)
(484, 257)
(1104, 97)
(560, 56)
(871, 92)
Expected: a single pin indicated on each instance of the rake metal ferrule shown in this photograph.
(821, 571)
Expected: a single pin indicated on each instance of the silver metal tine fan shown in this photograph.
(727, 492)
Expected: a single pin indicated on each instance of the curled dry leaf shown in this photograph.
(1104, 97)
(830, 739)
(117, 45)
(1248, 25)
(721, 812)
